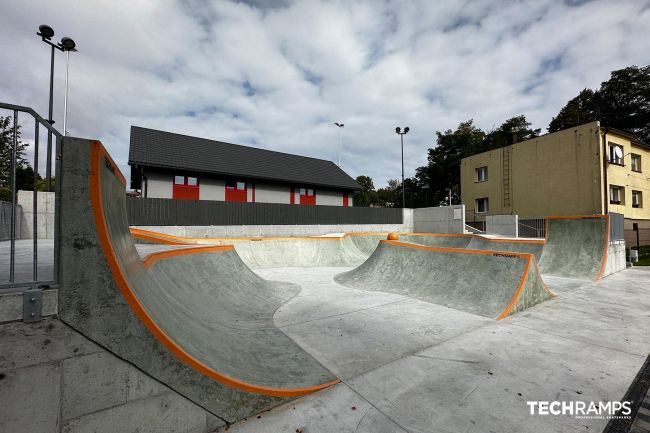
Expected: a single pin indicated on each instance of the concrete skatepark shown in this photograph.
(431, 332)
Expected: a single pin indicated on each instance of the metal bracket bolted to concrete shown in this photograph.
(32, 305)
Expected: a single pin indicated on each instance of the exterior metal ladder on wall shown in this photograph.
(506, 177)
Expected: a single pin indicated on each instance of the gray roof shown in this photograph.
(153, 148)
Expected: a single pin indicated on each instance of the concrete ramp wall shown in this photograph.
(576, 246)
(489, 283)
(201, 323)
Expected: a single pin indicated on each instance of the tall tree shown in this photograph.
(503, 136)
(622, 102)
(6, 150)
(579, 110)
(442, 172)
(368, 195)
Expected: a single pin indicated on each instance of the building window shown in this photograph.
(236, 191)
(185, 188)
(481, 174)
(636, 162)
(236, 185)
(482, 205)
(307, 196)
(637, 199)
(615, 154)
(616, 194)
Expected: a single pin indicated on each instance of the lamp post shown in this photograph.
(46, 33)
(401, 133)
(340, 125)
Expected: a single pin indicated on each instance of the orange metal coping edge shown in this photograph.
(457, 250)
(97, 151)
(172, 239)
(152, 258)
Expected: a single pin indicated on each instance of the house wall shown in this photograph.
(329, 198)
(265, 193)
(628, 179)
(212, 189)
(555, 174)
(160, 185)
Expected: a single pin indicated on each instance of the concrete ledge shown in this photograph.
(54, 379)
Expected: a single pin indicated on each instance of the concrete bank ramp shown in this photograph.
(489, 283)
(198, 319)
(576, 246)
(349, 250)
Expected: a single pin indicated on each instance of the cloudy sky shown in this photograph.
(277, 74)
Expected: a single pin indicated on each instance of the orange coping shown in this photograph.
(97, 152)
(530, 258)
(164, 238)
(152, 258)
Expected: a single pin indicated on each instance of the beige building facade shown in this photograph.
(584, 170)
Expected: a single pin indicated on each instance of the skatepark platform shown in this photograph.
(206, 317)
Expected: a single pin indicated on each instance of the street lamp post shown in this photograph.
(46, 33)
(401, 133)
(340, 125)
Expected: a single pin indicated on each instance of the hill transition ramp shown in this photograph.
(576, 246)
(348, 250)
(489, 283)
(197, 319)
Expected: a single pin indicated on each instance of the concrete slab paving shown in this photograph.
(358, 337)
(482, 380)
(335, 410)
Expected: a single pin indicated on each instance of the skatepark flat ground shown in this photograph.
(412, 366)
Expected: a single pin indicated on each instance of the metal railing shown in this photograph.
(35, 282)
(532, 228)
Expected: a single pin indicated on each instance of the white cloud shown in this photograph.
(278, 74)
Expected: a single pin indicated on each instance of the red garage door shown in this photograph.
(236, 191)
(185, 188)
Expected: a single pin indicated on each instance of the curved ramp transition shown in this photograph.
(348, 250)
(197, 319)
(490, 283)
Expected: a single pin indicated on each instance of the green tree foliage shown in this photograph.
(442, 172)
(368, 195)
(6, 150)
(24, 172)
(622, 102)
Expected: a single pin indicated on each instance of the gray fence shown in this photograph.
(616, 227)
(5, 221)
(532, 228)
(167, 212)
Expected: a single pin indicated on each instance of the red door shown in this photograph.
(185, 188)
(307, 196)
(346, 201)
(236, 191)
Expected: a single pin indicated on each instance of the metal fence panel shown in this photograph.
(616, 227)
(12, 223)
(168, 212)
(532, 228)
(5, 221)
